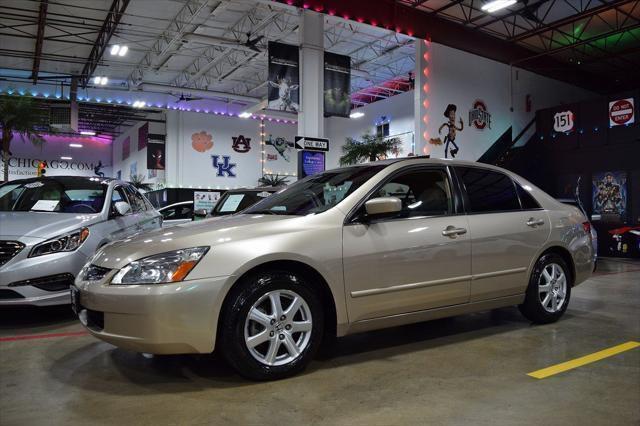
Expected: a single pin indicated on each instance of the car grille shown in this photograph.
(10, 294)
(8, 249)
(56, 282)
(95, 273)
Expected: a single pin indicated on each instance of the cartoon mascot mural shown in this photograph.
(450, 138)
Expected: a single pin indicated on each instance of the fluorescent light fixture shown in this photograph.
(66, 158)
(75, 145)
(88, 132)
(245, 114)
(356, 114)
(115, 49)
(96, 79)
(495, 5)
(104, 80)
(123, 50)
(100, 80)
(139, 104)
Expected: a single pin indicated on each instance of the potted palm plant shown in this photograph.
(18, 115)
(273, 180)
(371, 148)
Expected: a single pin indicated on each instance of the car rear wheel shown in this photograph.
(272, 326)
(549, 290)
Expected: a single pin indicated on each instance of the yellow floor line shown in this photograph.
(584, 360)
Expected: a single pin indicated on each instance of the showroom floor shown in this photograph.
(469, 369)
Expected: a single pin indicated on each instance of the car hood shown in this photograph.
(208, 232)
(42, 224)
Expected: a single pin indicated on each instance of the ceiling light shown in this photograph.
(66, 158)
(139, 104)
(100, 80)
(495, 5)
(115, 49)
(245, 114)
(123, 50)
(356, 114)
(88, 132)
(104, 80)
(75, 145)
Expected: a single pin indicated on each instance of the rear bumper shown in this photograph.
(159, 319)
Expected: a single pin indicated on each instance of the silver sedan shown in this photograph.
(49, 226)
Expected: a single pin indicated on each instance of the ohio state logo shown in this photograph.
(479, 116)
(241, 144)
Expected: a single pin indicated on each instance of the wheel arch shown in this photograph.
(566, 256)
(318, 280)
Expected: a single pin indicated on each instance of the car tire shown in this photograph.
(263, 343)
(549, 290)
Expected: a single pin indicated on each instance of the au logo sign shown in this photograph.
(241, 144)
(223, 165)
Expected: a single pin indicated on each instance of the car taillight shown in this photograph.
(587, 227)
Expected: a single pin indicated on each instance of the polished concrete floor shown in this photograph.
(470, 369)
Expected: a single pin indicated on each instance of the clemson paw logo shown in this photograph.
(202, 141)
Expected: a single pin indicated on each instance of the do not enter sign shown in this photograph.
(621, 112)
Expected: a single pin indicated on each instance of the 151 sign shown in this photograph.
(563, 121)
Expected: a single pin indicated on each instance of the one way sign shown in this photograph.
(312, 144)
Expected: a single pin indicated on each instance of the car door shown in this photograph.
(120, 226)
(507, 232)
(417, 260)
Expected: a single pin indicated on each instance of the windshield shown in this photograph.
(316, 193)
(62, 195)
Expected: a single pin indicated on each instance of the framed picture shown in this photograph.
(609, 196)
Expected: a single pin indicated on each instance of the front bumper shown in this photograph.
(160, 319)
(15, 275)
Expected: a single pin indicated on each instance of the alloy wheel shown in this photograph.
(278, 327)
(552, 288)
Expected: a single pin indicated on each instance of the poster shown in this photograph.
(284, 77)
(337, 85)
(155, 156)
(609, 192)
(205, 200)
(126, 148)
(143, 135)
(310, 163)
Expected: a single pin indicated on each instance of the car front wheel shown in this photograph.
(549, 290)
(272, 326)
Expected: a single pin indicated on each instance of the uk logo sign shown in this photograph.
(223, 165)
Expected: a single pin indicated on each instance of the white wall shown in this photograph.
(137, 157)
(460, 78)
(189, 167)
(25, 157)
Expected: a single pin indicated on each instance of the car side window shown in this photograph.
(527, 202)
(169, 213)
(137, 202)
(184, 211)
(423, 192)
(488, 190)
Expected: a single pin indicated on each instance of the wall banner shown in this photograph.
(337, 85)
(155, 156)
(284, 77)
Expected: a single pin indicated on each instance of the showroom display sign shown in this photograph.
(337, 85)
(284, 77)
(564, 121)
(621, 112)
(28, 167)
(310, 163)
(205, 200)
(479, 115)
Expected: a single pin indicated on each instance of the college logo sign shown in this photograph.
(563, 121)
(621, 112)
(479, 115)
(223, 165)
(241, 144)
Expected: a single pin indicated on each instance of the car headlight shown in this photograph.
(68, 242)
(169, 267)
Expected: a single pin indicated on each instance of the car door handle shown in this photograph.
(452, 231)
(535, 222)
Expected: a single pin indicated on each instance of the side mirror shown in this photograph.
(122, 207)
(200, 213)
(383, 206)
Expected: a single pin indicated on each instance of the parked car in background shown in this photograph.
(49, 226)
(594, 234)
(348, 250)
(236, 200)
(177, 213)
